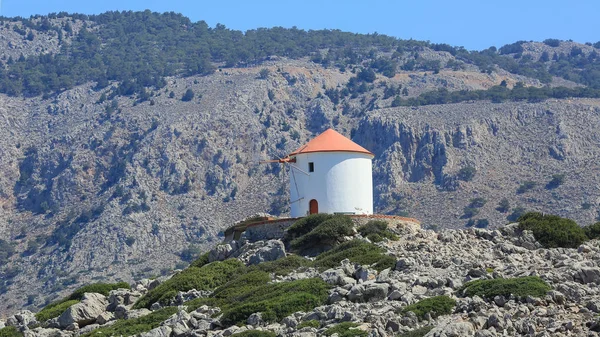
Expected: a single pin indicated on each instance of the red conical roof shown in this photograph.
(331, 141)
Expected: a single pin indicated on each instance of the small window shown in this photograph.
(311, 167)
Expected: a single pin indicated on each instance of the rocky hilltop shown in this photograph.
(411, 282)
(103, 182)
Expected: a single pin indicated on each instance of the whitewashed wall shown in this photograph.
(341, 183)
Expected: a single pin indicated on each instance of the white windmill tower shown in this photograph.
(330, 174)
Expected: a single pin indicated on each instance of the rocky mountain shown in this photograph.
(106, 178)
(474, 282)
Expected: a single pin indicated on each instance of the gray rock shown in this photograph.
(161, 331)
(453, 329)
(376, 292)
(383, 276)
(220, 252)
(393, 326)
(72, 327)
(84, 312)
(274, 250)
(594, 305)
(333, 276)
(500, 300)
(105, 317)
(25, 318)
(588, 275)
(122, 297)
(255, 319)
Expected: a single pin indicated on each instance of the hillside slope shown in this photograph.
(100, 184)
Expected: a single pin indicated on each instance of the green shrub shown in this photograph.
(526, 186)
(53, 310)
(477, 202)
(469, 212)
(435, 306)
(482, 223)
(283, 266)
(207, 277)
(136, 326)
(200, 261)
(313, 323)
(329, 233)
(420, 332)
(255, 333)
(100, 288)
(356, 251)
(553, 231)
(241, 285)
(503, 206)
(466, 173)
(275, 301)
(517, 212)
(346, 329)
(592, 231)
(376, 231)
(10, 331)
(557, 180)
(305, 225)
(520, 286)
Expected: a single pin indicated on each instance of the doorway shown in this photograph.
(313, 206)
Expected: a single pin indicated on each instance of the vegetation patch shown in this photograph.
(592, 231)
(520, 286)
(553, 231)
(526, 186)
(377, 231)
(327, 234)
(10, 331)
(255, 333)
(200, 261)
(305, 225)
(100, 288)
(53, 310)
(133, 327)
(275, 301)
(313, 323)
(207, 277)
(346, 329)
(284, 265)
(358, 252)
(435, 306)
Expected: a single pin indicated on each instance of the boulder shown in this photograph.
(84, 312)
(26, 318)
(334, 276)
(105, 317)
(220, 252)
(273, 250)
(376, 292)
(122, 297)
(255, 319)
(587, 275)
(161, 331)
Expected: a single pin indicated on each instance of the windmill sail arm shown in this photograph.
(280, 160)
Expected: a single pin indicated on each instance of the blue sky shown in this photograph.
(474, 24)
